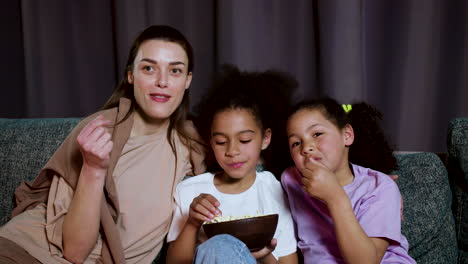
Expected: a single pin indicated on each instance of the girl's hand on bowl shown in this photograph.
(264, 255)
(203, 208)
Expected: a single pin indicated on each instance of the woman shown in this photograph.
(106, 194)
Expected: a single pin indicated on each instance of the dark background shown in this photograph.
(63, 58)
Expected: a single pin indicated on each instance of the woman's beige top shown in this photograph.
(144, 177)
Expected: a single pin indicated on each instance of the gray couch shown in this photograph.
(432, 196)
(457, 146)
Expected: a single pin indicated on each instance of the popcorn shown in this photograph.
(220, 218)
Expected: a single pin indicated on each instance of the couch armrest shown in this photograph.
(428, 222)
(457, 146)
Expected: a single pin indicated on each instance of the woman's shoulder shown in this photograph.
(191, 132)
(191, 138)
(190, 128)
(192, 147)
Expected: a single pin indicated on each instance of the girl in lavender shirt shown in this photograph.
(345, 209)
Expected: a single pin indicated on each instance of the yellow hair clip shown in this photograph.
(347, 108)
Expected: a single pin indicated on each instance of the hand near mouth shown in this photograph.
(319, 181)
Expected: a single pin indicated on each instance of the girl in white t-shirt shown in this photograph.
(234, 125)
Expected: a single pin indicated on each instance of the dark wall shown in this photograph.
(12, 103)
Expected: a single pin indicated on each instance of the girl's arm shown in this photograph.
(289, 259)
(354, 244)
(182, 249)
(82, 221)
(203, 208)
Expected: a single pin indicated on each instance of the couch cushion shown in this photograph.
(457, 146)
(25, 146)
(457, 143)
(428, 221)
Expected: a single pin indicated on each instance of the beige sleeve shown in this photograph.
(60, 197)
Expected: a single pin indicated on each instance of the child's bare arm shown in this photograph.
(203, 208)
(354, 244)
(289, 259)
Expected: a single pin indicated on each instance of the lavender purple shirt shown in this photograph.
(375, 199)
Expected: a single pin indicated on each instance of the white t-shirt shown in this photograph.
(264, 197)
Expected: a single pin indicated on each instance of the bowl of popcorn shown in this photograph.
(255, 231)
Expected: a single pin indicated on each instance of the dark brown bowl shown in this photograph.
(255, 232)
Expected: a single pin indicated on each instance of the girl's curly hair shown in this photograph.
(264, 94)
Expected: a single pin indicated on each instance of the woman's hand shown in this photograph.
(95, 144)
(203, 208)
(264, 255)
(319, 181)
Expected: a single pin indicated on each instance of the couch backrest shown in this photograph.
(428, 222)
(457, 146)
(25, 146)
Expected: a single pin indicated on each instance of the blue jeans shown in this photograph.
(224, 249)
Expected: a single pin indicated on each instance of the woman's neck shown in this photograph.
(226, 184)
(143, 125)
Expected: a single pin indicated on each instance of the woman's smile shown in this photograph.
(160, 97)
